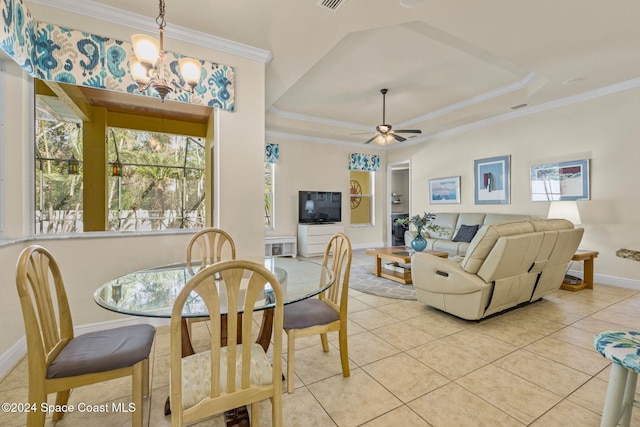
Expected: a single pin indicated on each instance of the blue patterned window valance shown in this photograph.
(53, 53)
(271, 153)
(364, 162)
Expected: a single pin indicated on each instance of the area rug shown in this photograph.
(363, 280)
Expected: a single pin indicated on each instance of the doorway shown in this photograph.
(398, 200)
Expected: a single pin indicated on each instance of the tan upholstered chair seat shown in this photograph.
(196, 373)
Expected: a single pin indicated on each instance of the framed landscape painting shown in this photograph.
(491, 177)
(444, 190)
(560, 181)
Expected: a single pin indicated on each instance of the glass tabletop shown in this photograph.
(151, 292)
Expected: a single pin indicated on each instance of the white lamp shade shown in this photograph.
(146, 48)
(138, 71)
(565, 210)
(190, 70)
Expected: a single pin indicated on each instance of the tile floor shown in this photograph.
(414, 366)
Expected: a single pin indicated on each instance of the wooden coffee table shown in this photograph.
(400, 257)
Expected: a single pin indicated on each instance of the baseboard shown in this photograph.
(367, 245)
(17, 351)
(603, 279)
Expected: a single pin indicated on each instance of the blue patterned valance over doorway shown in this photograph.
(271, 153)
(364, 162)
(53, 53)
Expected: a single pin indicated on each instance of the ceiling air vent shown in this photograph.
(332, 5)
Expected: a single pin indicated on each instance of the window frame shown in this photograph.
(370, 196)
(269, 211)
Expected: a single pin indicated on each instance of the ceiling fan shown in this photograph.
(384, 133)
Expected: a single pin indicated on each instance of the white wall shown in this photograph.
(605, 129)
(323, 167)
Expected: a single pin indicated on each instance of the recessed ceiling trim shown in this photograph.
(313, 119)
(526, 81)
(147, 23)
(562, 102)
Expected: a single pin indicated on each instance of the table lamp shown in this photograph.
(566, 209)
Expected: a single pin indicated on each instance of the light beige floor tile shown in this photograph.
(13, 415)
(398, 373)
(312, 364)
(591, 395)
(452, 405)
(107, 391)
(584, 360)
(626, 319)
(567, 412)
(553, 311)
(354, 305)
(403, 416)
(446, 359)
(479, 344)
(355, 400)
(367, 348)
(302, 409)
(515, 396)
(372, 318)
(546, 373)
(575, 336)
(595, 326)
(373, 300)
(403, 336)
(439, 324)
(505, 331)
(403, 309)
(527, 320)
(17, 377)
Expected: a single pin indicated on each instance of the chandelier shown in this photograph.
(150, 51)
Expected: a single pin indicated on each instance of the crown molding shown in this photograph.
(144, 23)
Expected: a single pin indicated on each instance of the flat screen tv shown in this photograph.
(319, 207)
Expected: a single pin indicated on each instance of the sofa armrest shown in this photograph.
(441, 275)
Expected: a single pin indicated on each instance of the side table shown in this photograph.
(587, 281)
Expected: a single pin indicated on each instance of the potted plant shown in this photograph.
(421, 222)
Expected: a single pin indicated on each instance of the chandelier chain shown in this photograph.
(160, 19)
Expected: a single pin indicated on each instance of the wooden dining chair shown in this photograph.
(327, 313)
(207, 247)
(58, 361)
(229, 374)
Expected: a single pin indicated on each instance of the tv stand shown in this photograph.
(313, 238)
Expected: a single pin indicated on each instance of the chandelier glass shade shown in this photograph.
(149, 52)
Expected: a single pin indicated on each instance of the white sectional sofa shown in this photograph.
(452, 223)
(505, 265)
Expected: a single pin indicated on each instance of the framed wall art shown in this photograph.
(444, 190)
(560, 181)
(491, 178)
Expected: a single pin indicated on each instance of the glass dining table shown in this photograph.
(151, 293)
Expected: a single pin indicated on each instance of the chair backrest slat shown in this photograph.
(211, 245)
(238, 284)
(338, 256)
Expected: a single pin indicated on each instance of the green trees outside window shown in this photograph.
(162, 183)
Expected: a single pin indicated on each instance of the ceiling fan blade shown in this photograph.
(408, 131)
(398, 137)
(371, 139)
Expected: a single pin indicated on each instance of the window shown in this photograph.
(361, 197)
(162, 184)
(58, 192)
(268, 195)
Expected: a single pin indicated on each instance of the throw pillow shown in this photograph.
(466, 233)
